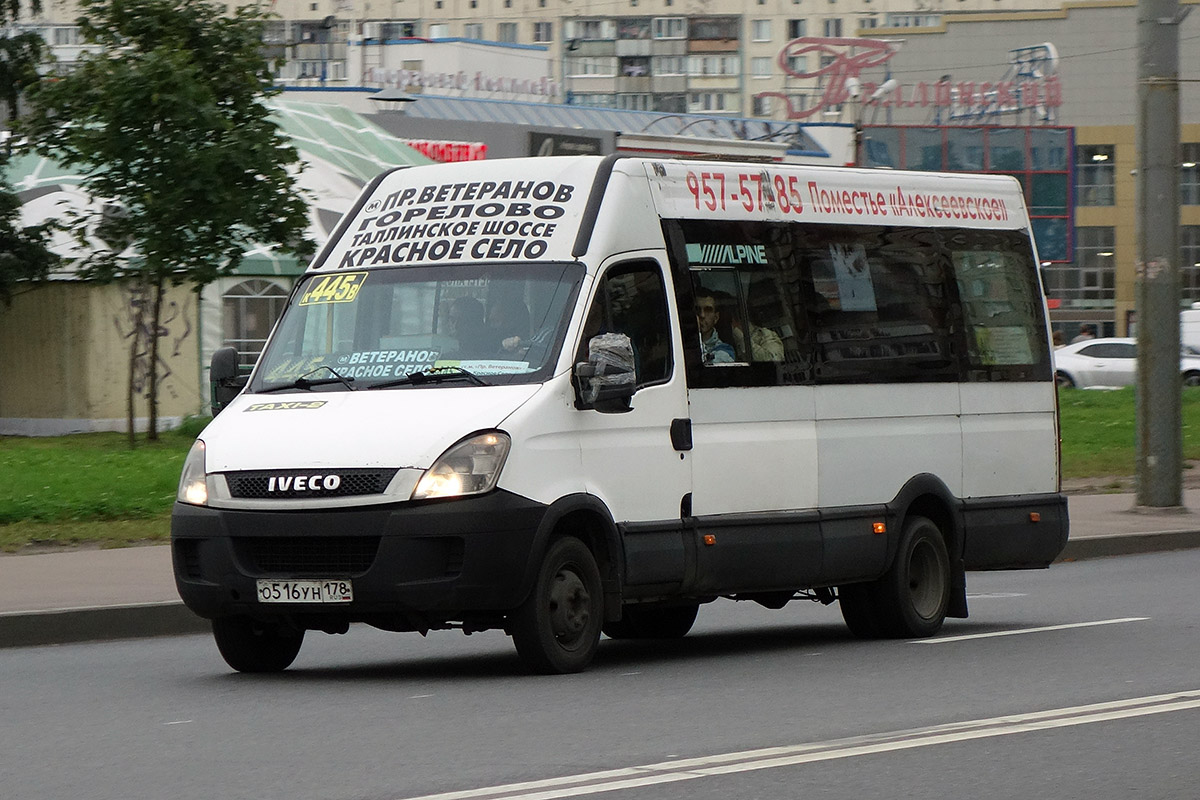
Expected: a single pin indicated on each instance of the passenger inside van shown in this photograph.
(762, 299)
(714, 349)
(468, 327)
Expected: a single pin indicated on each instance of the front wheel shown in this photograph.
(1063, 380)
(557, 628)
(1191, 379)
(251, 646)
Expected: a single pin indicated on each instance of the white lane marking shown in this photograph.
(793, 755)
(419, 696)
(178, 722)
(1019, 631)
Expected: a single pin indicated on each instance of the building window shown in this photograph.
(473, 30)
(699, 102)
(507, 32)
(1095, 173)
(670, 27)
(713, 28)
(797, 28)
(760, 30)
(913, 20)
(760, 66)
(713, 65)
(66, 35)
(543, 31)
(833, 27)
(668, 65)
(798, 64)
(633, 102)
(762, 106)
(439, 30)
(1189, 175)
(590, 29)
(249, 310)
(867, 22)
(1090, 280)
(592, 67)
(1189, 262)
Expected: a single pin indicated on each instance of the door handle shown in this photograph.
(681, 434)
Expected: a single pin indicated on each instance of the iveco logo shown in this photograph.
(303, 483)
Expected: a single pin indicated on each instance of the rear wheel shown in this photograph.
(251, 646)
(557, 628)
(1063, 380)
(911, 598)
(653, 622)
(1191, 379)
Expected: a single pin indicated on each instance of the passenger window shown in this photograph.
(632, 300)
(1002, 306)
(745, 330)
(879, 309)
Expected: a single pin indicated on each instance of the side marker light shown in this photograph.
(879, 527)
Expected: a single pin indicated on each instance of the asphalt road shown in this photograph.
(1092, 691)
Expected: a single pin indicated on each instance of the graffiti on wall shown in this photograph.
(133, 324)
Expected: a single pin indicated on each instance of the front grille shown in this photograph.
(281, 484)
(319, 556)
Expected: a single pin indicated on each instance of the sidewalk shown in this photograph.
(87, 595)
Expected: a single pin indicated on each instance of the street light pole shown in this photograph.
(1159, 402)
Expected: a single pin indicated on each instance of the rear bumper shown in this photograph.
(1020, 532)
(421, 562)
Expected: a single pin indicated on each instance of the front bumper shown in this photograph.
(412, 565)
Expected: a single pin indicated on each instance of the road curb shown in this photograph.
(1128, 544)
(145, 620)
(95, 624)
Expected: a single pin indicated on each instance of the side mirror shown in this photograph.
(607, 380)
(224, 379)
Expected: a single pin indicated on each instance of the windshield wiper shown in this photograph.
(433, 375)
(304, 382)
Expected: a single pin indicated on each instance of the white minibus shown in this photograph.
(564, 397)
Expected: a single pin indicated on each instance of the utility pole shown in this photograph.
(1159, 413)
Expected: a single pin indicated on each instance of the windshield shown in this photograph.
(352, 330)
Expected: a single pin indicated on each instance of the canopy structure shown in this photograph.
(341, 151)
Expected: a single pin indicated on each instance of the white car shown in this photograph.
(1110, 362)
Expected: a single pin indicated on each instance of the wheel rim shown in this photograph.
(570, 608)
(926, 580)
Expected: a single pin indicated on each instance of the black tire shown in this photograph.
(250, 646)
(1191, 379)
(857, 602)
(911, 599)
(1063, 380)
(653, 622)
(557, 628)
(915, 592)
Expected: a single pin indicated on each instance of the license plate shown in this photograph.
(313, 591)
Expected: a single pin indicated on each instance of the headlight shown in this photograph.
(470, 467)
(193, 486)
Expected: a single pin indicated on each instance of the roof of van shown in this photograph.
(526, 209)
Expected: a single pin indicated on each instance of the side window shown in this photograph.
(632, 300)
(1002, 305)
(744, 289)
(880, 312)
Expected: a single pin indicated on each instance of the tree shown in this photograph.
(188, 172)
(23, 253)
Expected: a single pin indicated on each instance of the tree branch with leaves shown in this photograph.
(167, 121)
